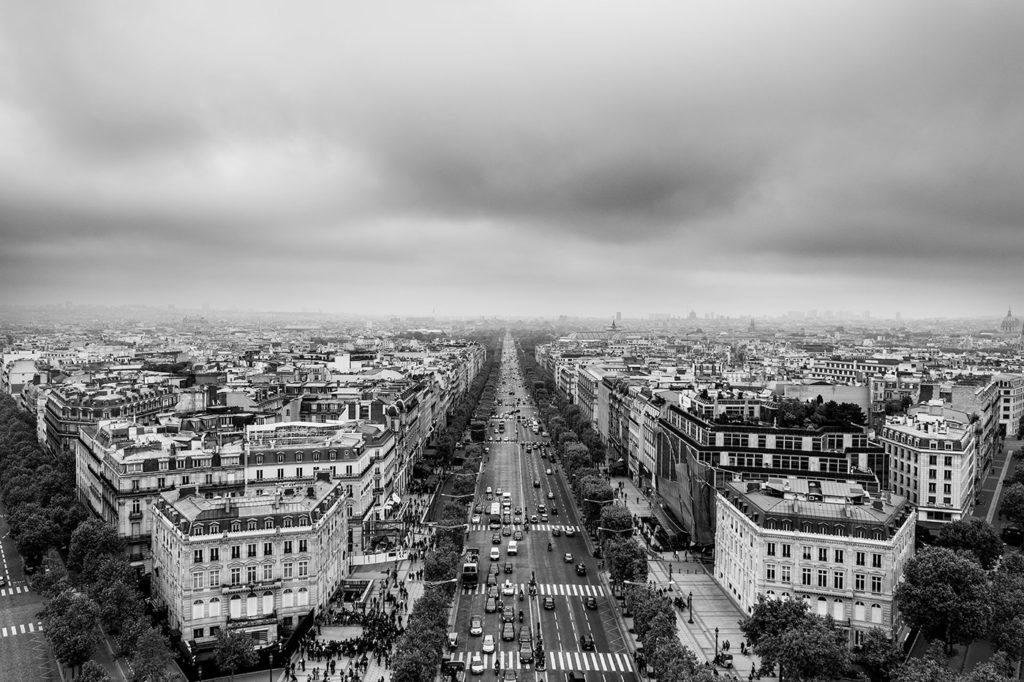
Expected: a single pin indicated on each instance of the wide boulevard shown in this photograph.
(533, 480)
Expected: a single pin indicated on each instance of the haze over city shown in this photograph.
(518, 159)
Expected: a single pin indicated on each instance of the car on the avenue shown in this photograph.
(525, 652)
(495, 553)
(536, 483)
(478, 508)
(453, 640)
(548, 471)
(475, 519)
(508, 588)
(590, 602)
(476, 664)
(570, 532)
(498, 491)
(506, 531)
(533, 518)
(556, 531)
(495, 539)
(508, 632)
(518, 535)
(508, 615)
(581, 568)
(568, 557)
(488, 491)
(508, 566)
(549, 602)
(519, 511)
(492, 581)
(488, 644)
(476, 626)
(491, 606)
(551, 495)
(509, 675)
(543, 517)
(586, 643)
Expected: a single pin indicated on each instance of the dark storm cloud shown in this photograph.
(673, 145)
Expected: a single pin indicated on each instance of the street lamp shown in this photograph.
(689, 606)
(716, 644)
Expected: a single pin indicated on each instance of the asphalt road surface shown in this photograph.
(509, 467)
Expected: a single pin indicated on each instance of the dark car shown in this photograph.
(508, 632)
(495, 539)
(508, 566)
(549, 602)
(491, 606)
(590, 601)
(525, 652)
(508, 615)
(581, 569)
(1012, 535)
(478, 508)
(586, 643)
(506, 531)
(556, 531)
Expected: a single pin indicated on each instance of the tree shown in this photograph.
(234, 650)
(626, 560)
(972, 535)
(879, 654)
(91, 539)
(92, 672)
(946, 595)
(1012, 504)
(929, 668)
(152, 658)
(615, 518)
(35, 536)
(815, 649)
(69, 621)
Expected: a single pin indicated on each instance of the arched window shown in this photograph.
(268, 524)
(316, 455)
(840, 530)
(252, 524)
(822, 606)
(198, 609)
(287, 599)
(251, 605)
(303, 597)
(298, 456)
(235, 610)
(303, 521)
(214, 607)
(268, 603)
(287, 522)
(332, 454)
(876, 613)
(214, 528)
(280, 458)
(876, 534)
(259, 459)
(838, 610)
(197, 530)
(859, 611)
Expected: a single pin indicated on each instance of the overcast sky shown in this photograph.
(515, 158)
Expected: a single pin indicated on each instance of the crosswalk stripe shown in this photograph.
(544, 589)
(3, 631)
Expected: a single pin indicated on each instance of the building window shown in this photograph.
(298, 472)
(785, 574)
(303, 547)
(287, 569)
(839, 556)
(860, 558)
(287, 546)
(858, 582)
(823, 554)
(769, 572)
(214, 580)
(268, 549)
(198, 610)
(252, 524)
(250, 550)
(876, 584)
(858, 611)
(771, 549)
(236, 576)
(197, 581)
(876, 561)
(786, 551)
(259, 474)
(876, 613)
(236, 551)
(259, 459)
(236, 526)
(280, 473)
(822, 578)
(303, 520)
(197, 632)
(214, 528)
(250, 574)
(268, 571)
(197, 556)
(807, 553)
(838, 580)
(287, 522)
(214, 554)
(303, 569)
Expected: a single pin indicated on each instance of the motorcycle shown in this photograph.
(522, 596)
(520, 615)
(549, 546)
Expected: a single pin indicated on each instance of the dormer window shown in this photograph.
(287, 522)
(197, 530)
(214, 528)
(236, 526)
(303, 521)
(298, 456)
(259, 459)
(252, 524)
(268, 524)
(280, 458)
(316, 455)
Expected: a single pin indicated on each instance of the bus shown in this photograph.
(495, 521)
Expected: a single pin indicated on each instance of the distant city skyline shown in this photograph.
(515, 160)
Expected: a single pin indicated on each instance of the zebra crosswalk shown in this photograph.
(555, 589)
(23, 629)
(10, 591)
(584, 661)
(542, 527)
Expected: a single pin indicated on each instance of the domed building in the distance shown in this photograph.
(1010, 324)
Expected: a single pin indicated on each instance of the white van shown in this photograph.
(507, 497)
(513, 547)
(496, 553)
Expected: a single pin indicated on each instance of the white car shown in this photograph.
(548, 472)
(508, 588)
(476, 664)
(551, 495)
(476, 518)
(496, 492)
(488, 644)
(489, 491)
